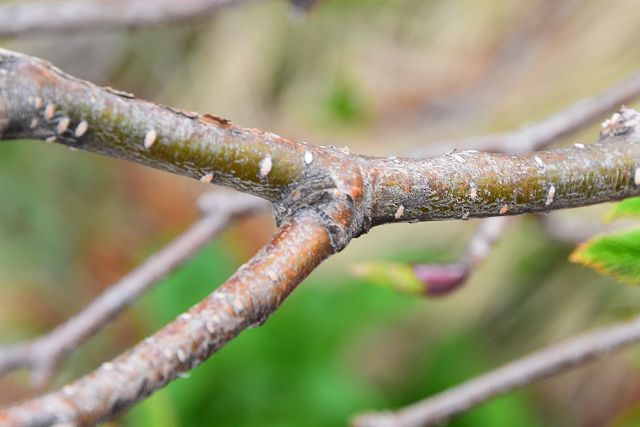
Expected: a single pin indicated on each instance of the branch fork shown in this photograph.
(322, 196)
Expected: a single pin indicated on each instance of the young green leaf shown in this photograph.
(626, 208)
(616, 255)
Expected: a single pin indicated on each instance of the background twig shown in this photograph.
(539, 365)
(45, 353)
(62, 16)
(245, 300)
(547, 131)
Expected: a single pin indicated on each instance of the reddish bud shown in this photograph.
(439, 280)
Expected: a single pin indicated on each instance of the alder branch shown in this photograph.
(322, 196)
(550, 130)
(539, 365)
(44, 354)
(66, 16)
(41, 102)
(245, 300)
(451, 276)
(533, 137)
(472, 184)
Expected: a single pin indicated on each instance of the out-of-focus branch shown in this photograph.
(303, 7)
(549, 130)
(44, 354)
(541, 364)
(28, 18)
(245, 300)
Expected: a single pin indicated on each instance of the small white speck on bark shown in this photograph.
(399, 212)
(308, 157)
(81, 129)
(150, 138)
(63, 125)
(108, 366)
(459, 158)
(49, 111)
(265, 166)
(473, 192)
(550, 194)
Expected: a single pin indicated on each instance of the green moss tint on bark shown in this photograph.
(118, 125)
(38, 101)
(473, 184)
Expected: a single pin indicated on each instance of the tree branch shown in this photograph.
(440, 279)
(533, 137)
(44, 354)
(245, 300)
(41, 102)
(556, 359)
(38, 101)
(541, 364)
(472, 184)
(323, 197)
(65, 16)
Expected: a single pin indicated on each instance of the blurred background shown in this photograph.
(380, 76)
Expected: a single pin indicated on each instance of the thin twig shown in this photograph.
(541, 364)
(28, 18)
(245, 300)
(527, 38)
(549, 130)
(44, 354)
